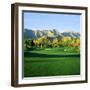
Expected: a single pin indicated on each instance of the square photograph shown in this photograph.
(51, 44)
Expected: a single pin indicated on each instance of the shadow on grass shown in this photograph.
(30, 54)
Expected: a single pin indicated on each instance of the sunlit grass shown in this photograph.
(51, 62)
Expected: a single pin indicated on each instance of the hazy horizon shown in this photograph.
(53, 29)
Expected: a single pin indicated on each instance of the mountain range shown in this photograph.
(29, 33)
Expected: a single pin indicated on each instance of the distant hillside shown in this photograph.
(29, 33)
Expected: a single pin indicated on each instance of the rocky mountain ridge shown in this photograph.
(29, 33)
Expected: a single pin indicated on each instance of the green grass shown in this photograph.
(51, 62)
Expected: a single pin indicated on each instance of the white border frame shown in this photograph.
(34, 80)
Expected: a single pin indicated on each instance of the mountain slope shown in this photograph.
(29, 33)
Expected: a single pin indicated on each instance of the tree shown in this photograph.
(28, 44)
(55, 43)
(66, 41)
(75, 42)
(36, 42)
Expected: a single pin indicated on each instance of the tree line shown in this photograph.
(45, 42)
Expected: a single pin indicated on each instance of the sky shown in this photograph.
(61, 22)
